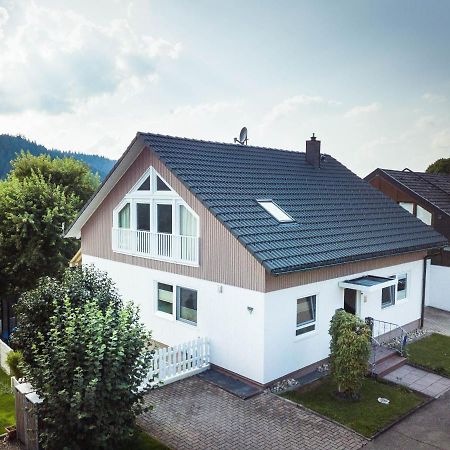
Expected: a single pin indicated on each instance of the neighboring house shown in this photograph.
(254, 248)
(426, 196)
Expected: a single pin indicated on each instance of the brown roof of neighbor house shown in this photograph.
(433, 188)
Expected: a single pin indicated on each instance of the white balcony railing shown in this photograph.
(167, 247)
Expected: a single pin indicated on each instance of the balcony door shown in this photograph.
(143, 237)
(164, 228)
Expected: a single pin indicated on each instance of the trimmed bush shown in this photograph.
(349, 352)
(14, 360)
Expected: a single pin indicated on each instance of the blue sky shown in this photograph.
(370, 78)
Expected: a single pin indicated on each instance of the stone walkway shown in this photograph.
(437, 320)
(194, 414)
(419, 380)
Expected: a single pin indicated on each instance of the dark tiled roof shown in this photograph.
(432, 187)
(338, 216)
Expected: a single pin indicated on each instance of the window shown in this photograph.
(143, 216)
(145, 186)
(188, 223)
(408, 206)
(423, 215)
(402, 286)
(306, 314)
(187, 305)
(388, 296)
(124, 217)
(165, 298)
(161, 186)
(275, 211)
(164, 213)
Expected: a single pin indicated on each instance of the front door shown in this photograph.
(350, 297)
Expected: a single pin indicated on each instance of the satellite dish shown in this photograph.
(242, 137)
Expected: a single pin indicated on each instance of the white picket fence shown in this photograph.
(180, 361)
(4, 350)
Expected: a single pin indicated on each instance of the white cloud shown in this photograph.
(4, 16)
(442, 140)
(364, 109)
(434, 98)
(291, 104)
(206, 108)
(53, 60)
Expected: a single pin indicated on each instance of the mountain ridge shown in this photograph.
(11, 146)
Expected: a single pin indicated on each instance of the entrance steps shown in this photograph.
(386, 360)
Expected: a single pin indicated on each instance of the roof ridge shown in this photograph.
(143, 133)
(406, 169)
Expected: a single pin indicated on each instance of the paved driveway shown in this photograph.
(426, 429)
(193, 414)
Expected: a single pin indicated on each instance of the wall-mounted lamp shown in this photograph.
(250, 309)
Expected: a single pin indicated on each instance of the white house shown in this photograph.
(253, 248)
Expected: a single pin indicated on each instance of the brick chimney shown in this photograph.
(313, 151)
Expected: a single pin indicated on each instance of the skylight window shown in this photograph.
(275, 211)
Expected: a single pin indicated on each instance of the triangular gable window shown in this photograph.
(161, 186)
(145, 186)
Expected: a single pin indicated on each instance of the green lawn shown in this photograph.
(432, 352)
(7, 416)
(366, 416)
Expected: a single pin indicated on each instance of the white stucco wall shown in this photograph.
(236, 335)
(285, 352)
(261, 345)
(438, 286)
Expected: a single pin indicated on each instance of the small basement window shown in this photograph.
(275, 211)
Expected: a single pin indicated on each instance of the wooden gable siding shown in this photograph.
(439, 221)
(274, 283)
(393, 192)
(222, 258)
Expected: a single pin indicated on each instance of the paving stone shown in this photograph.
(193, 414)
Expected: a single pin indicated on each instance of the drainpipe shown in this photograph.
(424, 284)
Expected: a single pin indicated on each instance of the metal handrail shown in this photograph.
(387, 328)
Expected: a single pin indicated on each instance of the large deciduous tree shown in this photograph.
(89, 361)
(37, 198)
(441, 166)
(75, 177)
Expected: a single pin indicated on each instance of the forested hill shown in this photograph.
(10, 146)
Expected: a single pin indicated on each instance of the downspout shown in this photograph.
(424, 284)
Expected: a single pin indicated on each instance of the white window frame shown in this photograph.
(406, 275)
(164, 314)
(153, 198)
(309, 323)
(424, 213)
(177, 297)
(406, 206)
(174, 317)
(394, 300)
(286, 218)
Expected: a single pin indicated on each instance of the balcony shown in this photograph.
(161, 246)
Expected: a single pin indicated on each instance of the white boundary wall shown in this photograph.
(438, 287)
(4, 350)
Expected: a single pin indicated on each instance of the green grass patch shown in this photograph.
(366, 416)
(143, 441)
(7, 415)
(431, 352)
